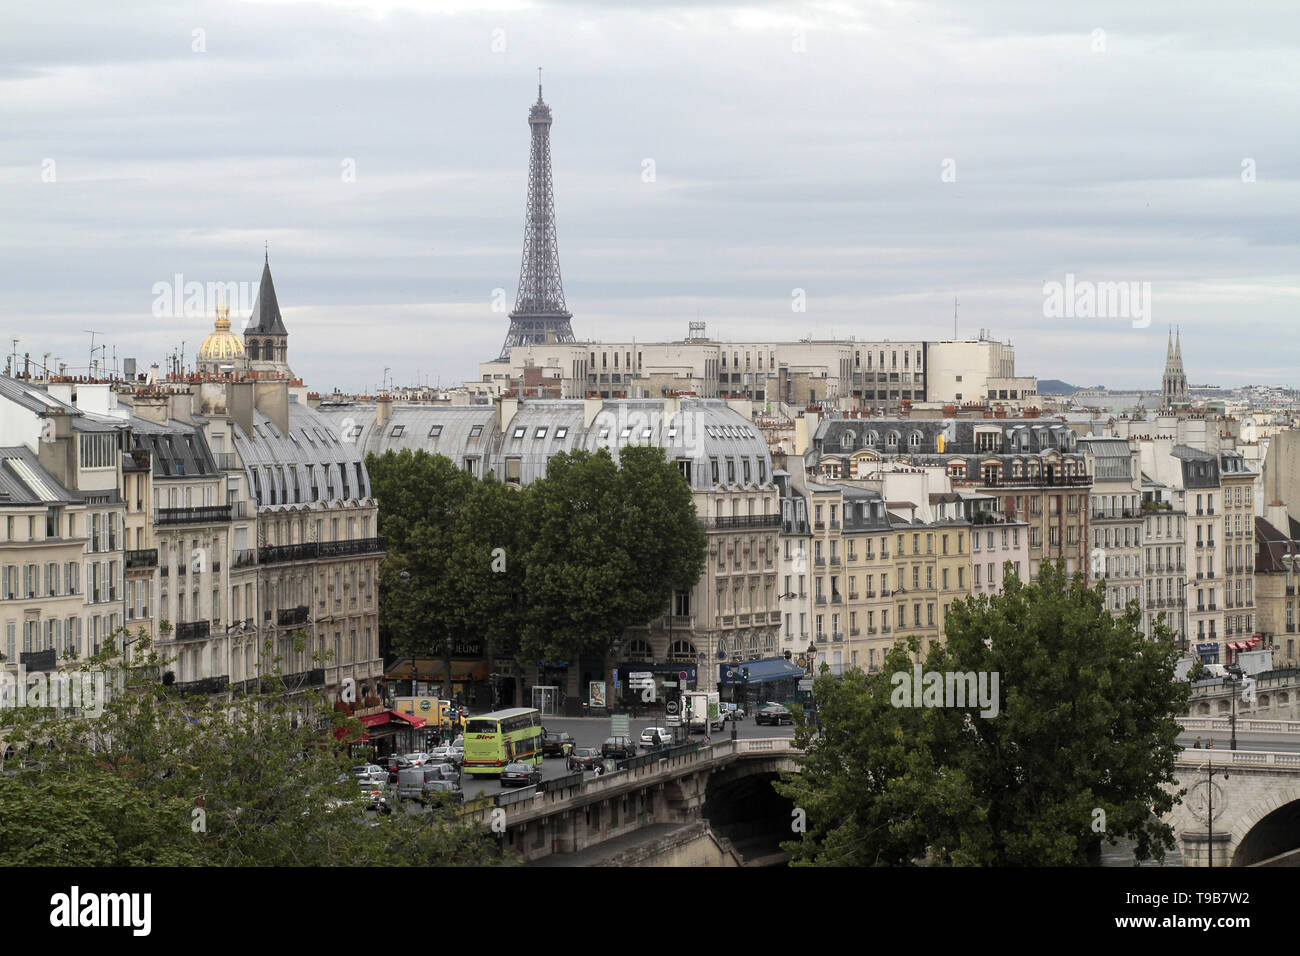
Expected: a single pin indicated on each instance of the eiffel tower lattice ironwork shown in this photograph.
(540, 315)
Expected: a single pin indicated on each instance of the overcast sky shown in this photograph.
(882, 157)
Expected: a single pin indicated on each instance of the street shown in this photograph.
(593, 731)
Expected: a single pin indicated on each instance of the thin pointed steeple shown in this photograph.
(265, 318)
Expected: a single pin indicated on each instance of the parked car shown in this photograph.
(459, 743)
(648, 737)
(419, 758)
(775, 714)
(732, 712)
(619, 747)
(395, 765)
(584, 758)
(520, 775)
(557, 745)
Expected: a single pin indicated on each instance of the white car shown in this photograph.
(647, 740)
(419, 758)
(370, 773)
(452, 755)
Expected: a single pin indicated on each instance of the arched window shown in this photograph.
(722, 646)
(753, 646)
(769, 643)
(891, 440)
(638, 649)
(872, 439)
(914, 441)
(847, 439)
(682, 651)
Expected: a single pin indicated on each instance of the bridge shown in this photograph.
(727, 783)
(1255, 796)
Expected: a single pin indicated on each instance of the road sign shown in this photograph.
(671, 707)
(806, 683)
(639, 675)
(620, 725)
(681, 675)
(670, 683)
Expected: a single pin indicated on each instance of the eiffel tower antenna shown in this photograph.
(540, 315)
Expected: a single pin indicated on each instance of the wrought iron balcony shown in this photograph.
(211, 514)
(208, 685)
(38, 660)
(292, 617)
(192, 631)
(142, 559)
(742, 521)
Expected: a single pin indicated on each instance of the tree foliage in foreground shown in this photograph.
(1086, 722)
(161, 778)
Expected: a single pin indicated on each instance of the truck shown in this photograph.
(1255, 662)
(703, 711)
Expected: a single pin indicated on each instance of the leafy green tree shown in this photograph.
(486, 564)
(161, 778)
(420, 496)
(1085, 722)
(609, 544)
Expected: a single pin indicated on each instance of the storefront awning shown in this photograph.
(392, 717)
(760, 672)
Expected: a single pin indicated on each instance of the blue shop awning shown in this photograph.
(760, 672)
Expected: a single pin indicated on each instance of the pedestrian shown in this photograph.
(657, 740)
(1210, 745)
(1197, 745)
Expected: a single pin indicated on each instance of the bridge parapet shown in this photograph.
(1244, 725)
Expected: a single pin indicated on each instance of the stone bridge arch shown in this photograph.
(1268, 827)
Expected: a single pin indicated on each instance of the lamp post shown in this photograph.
(1234, 681)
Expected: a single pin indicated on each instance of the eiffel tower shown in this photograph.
(540, 315)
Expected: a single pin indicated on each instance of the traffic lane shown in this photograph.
(590, 732)
(1246, 740)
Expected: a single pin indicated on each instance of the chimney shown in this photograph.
(506, 409)
(56, 451)
(271, 396)
(1276, 514)
(383, 411)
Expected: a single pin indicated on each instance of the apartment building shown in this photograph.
(1205, 612)
(866, 538)
(1276, 546)
(998, 546)
(1033, 467)
(1238, 481)
(732, 612)
(1164, 539)
(1115, 505)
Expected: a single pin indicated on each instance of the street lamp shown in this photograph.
(1234, 680)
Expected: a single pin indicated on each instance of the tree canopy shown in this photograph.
(162, 778)
(1080, 749)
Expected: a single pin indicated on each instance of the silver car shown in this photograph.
(370, 773)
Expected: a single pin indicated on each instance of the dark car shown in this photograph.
(520, 775)
(584, 758)
(773, 714)
(557, 745)
(618, 747)
(395, 764)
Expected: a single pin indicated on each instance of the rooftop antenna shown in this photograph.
(90, 370)
(13, 363)
(954, 318)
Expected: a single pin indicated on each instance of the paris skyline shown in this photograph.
(707, 162)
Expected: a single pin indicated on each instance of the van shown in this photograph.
(415, 783)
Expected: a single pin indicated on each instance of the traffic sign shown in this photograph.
(681, 675)
(670, 683)
(671, 707)
(620, 725)
(806, 683)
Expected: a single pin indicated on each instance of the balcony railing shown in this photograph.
(38, 660)
(193, 631)
(292, 617)
(211, 514)
(1069, 481)
(742, 521)
(245, 558)
(142, 559)
(226, 460)
(208, 685)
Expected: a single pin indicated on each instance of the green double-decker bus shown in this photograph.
(502, 737)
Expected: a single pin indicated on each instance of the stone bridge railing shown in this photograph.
(1270, 759)
(1244, 725)
(563, 792)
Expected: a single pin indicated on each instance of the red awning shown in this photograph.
(390, 717)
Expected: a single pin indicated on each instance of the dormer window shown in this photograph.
(435, 431)
(561, 431)
(645, 434)
(397, 431)
(540, 433)
(520, 431)
(476, 431)
(625, 434)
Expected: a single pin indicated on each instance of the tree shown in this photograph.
(160, 777)
(420, 497)
(1085, 723)
(486, 565)
(609, 544)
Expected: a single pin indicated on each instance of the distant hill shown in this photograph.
(1054, 386)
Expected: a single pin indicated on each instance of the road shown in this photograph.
(592, 732)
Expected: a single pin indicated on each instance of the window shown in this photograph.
(540, 433)
(519, 431)
(397, 431)
(476, 431)
(435, 431)
(561, 431)
(512, 470)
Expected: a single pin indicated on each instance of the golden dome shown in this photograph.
(221, 345)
